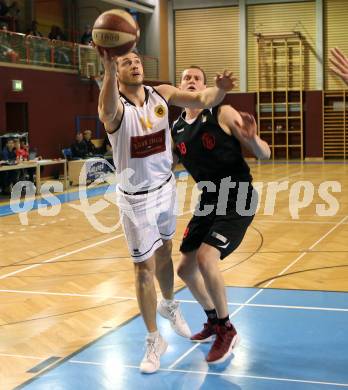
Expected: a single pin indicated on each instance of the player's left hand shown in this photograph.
(248, 128)
(225, 80)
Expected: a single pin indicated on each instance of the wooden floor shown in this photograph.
(63, 284)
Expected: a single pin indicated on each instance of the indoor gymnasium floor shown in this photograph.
(69, 318)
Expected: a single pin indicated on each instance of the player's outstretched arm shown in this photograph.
(207, 98)
(339, 64)
(110, 108)
(243, 126)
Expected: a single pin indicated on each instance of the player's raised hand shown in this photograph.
(109, 62)
(248, 128)
(339, 64)
(225, 81)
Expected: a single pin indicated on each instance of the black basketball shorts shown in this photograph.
(223, 232)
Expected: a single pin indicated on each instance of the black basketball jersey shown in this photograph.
(207, 152)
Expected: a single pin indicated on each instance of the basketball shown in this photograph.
(115, 31)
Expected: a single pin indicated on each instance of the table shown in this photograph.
(37, 164)
(45, 162)
(96, 168)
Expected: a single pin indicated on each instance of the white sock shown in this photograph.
(153, 335)
(168, 301)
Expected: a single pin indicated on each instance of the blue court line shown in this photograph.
(292, 350)
(51, 200)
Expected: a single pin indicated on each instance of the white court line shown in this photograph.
(225, 374)
(64, 294)
(60, 256)
(292, 221)
(311, 247)
(290, 307)
(260, 291)
(197, 372)
(23, 356)
(65, 254)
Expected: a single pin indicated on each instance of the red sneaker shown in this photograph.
(226, 340)
(206, 334)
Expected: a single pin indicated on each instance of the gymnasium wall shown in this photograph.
(163, 27)
(207, 34)
(208, 31)
(48, 13)
(211, 41)
(336, 34)
(283, 18)
(89, 10)
(54, 99)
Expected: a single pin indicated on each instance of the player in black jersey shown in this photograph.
(208, 143)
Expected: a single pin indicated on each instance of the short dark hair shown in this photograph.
(196, 67)
(134, 51)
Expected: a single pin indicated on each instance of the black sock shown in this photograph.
(225, 322)
(212, 316)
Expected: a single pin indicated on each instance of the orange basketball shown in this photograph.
(116, 31)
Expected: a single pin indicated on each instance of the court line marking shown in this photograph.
(292, 307)
(261, 290)
(295, 221)
(221, 374)
(67, 294)
(112, 238)
(22, 356)
(184, 213)
(197, 372)
(68, 253)
(309, 249)
(60, 256)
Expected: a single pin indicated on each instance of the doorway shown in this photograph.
(17, 117)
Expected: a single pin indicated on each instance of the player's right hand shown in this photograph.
(109, 62)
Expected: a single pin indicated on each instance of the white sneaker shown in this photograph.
(155, 347)
(173, 313)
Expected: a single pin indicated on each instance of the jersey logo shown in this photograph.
(182, 148)
(221, 238)
(145, 123)
(204, 118)
(160, 111)
(208, 141)
(180, 130)
(186, 232)
(147, 145)
(223, 246)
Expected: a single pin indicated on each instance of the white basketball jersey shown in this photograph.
(142, 145)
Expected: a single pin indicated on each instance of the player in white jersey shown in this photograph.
(136, 119)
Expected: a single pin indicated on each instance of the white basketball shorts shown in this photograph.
(147, 219)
